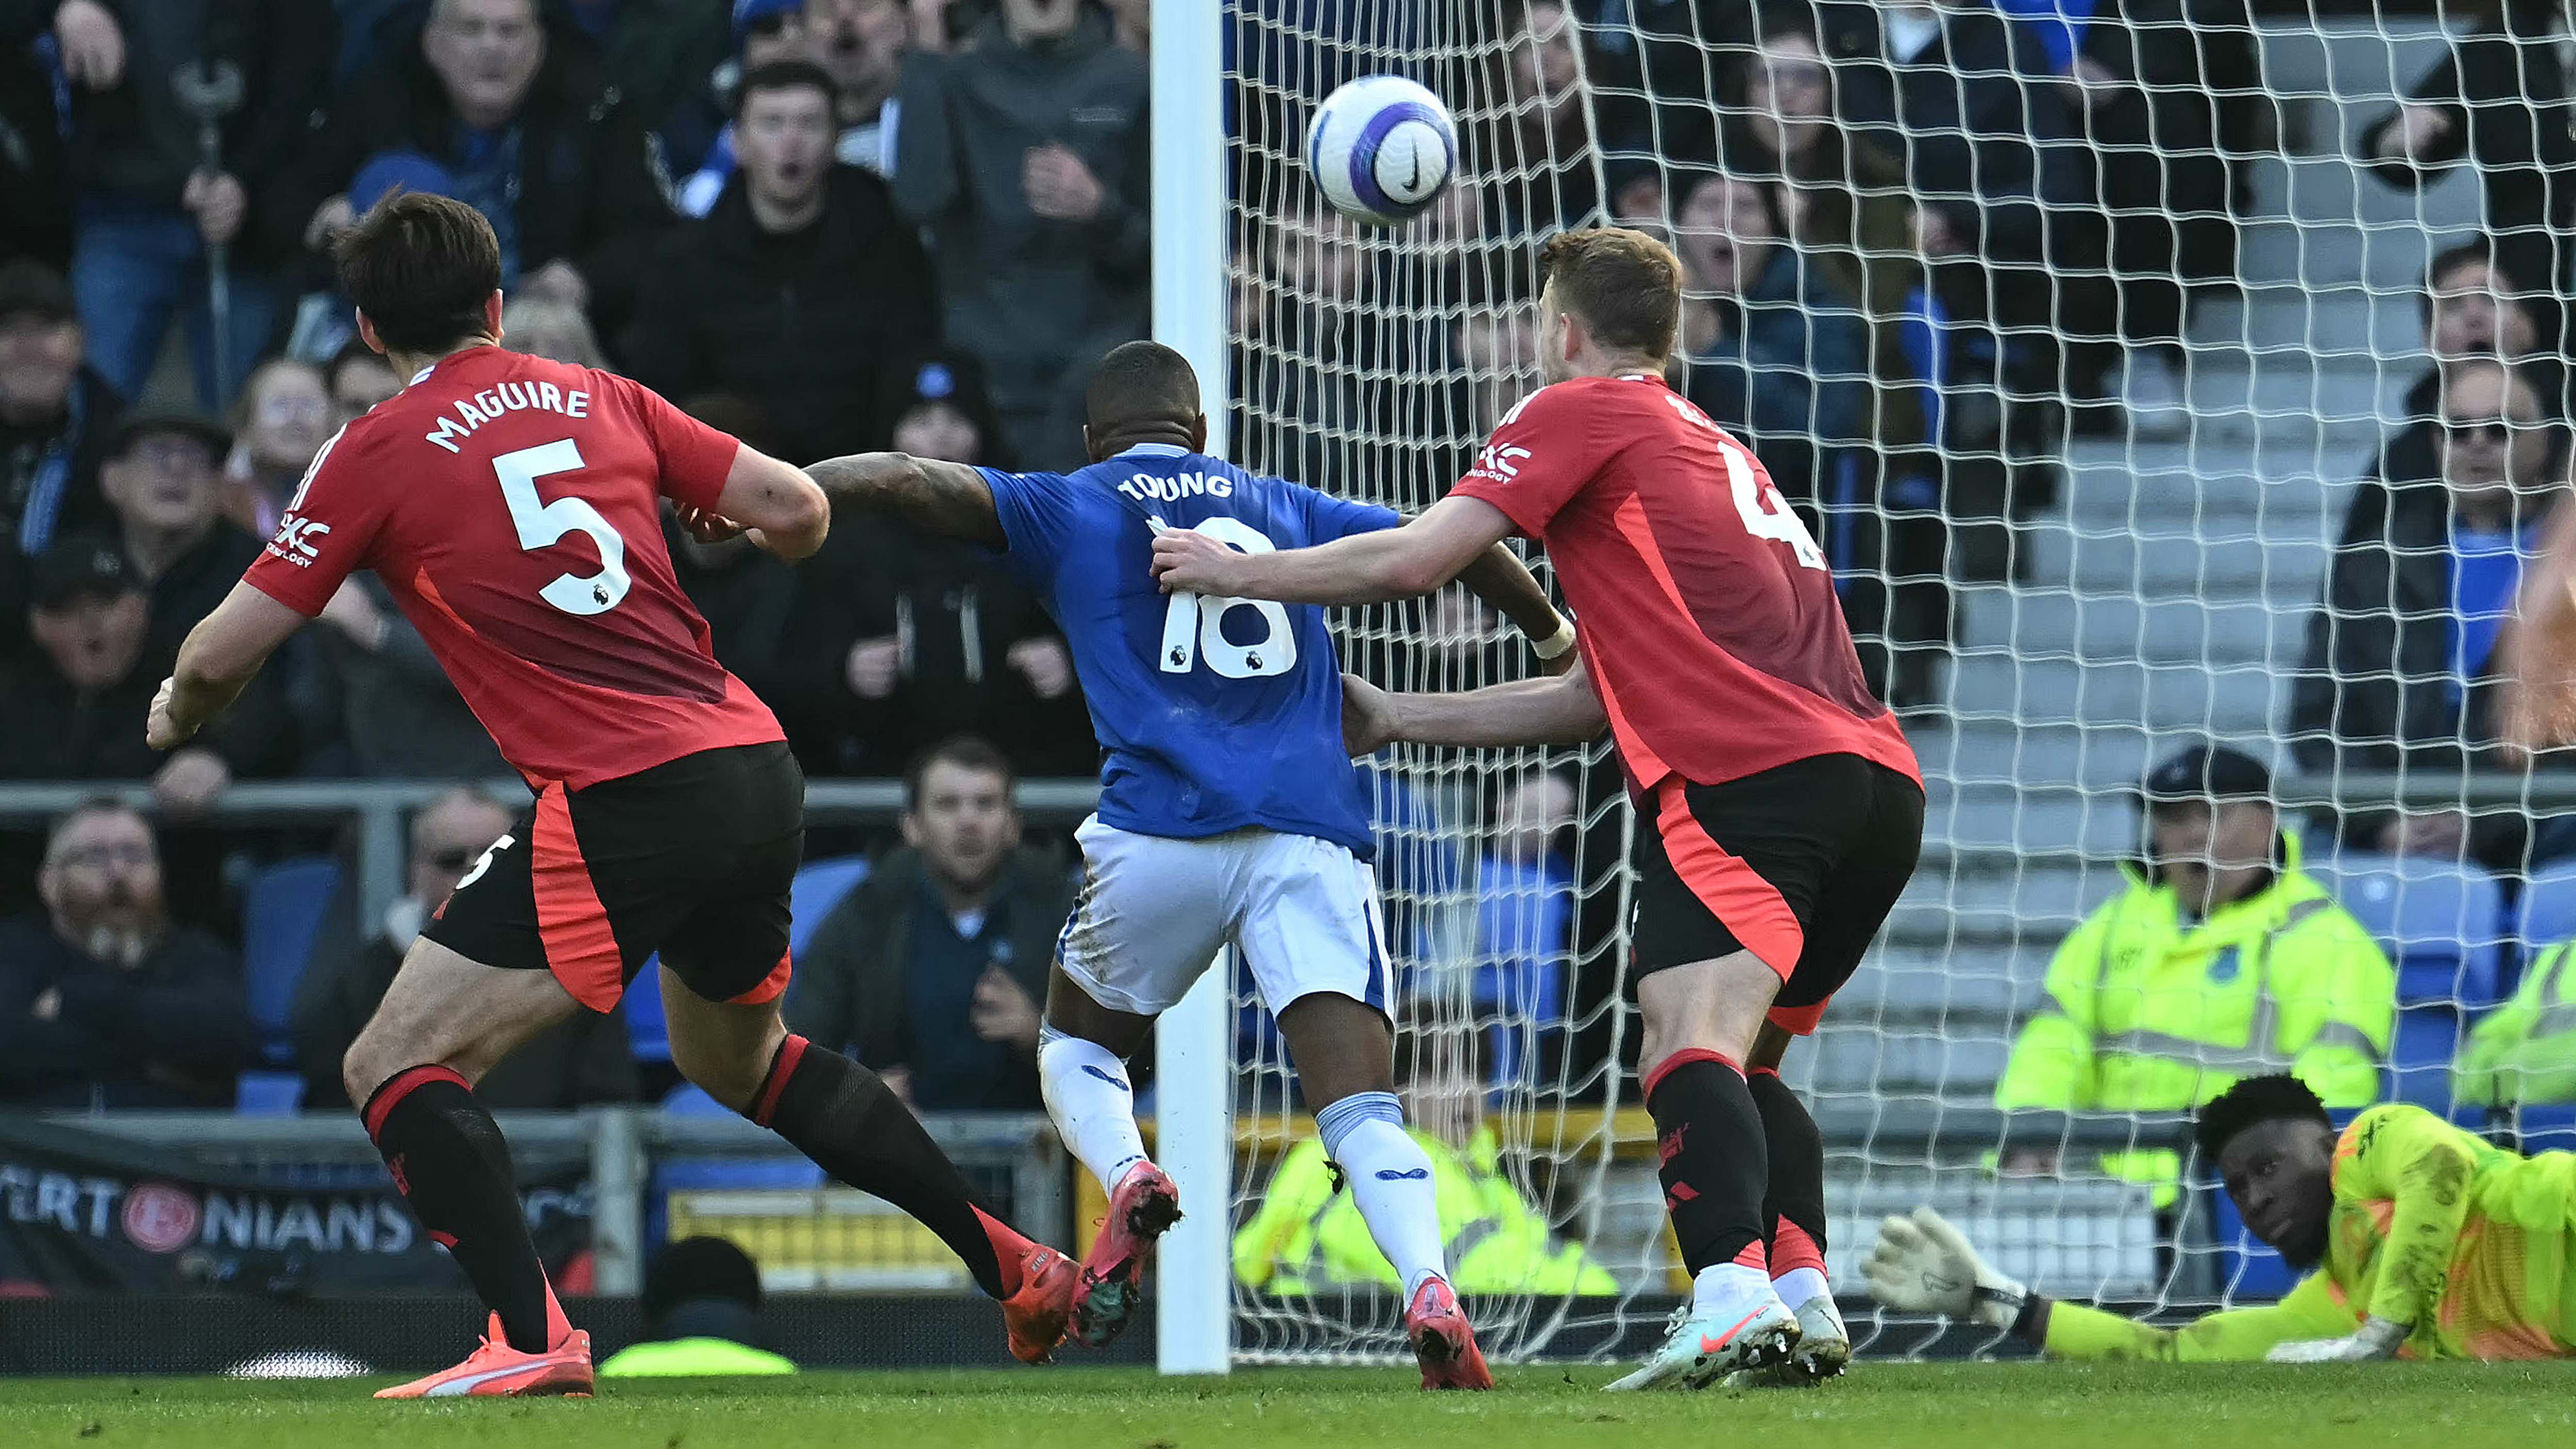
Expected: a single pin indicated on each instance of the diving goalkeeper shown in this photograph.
(2419, 1240)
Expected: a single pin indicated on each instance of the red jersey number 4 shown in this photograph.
(1757, 501)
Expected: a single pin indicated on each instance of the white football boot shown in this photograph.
(1734, 1322)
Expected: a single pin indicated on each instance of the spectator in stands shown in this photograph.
(56, 416)
(941, 640)
(862, 43)
(2400, 651)
(524, 131)
(104, 1002)
(932, 969)
(1308, 1237)
(1965, 101)
(2221, 959)
(283, 419)
(163, 478)
(578, 1061)
(2524, 1052)
(540, 327)
(1023, 151)
(1774, 351)
(152, 215)
(2500, 101)
(1525, 889)
(37, 223)
(794, 286)
(2139, 77)
(75, 705)
(2472, 307)
(779, 629)
(360, 379)
(649, 53)
(701, 138)
(1548, 147)
(385, 698)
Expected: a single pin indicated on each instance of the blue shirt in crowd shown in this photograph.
(2486, 572)
(1213, 718)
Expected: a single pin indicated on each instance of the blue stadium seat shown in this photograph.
(2546, 914)
(2547, 1129)
(268, 1094)
(283, 908)
(818, 887)
(2419, 1060)
(2440, 923)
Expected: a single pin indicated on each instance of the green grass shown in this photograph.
(1880, 1406)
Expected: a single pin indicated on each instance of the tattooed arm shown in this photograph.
(937, 497)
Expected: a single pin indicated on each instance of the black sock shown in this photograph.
(851, 1123)
(451, 1164)
(1793, 1207)
(1710, 1138)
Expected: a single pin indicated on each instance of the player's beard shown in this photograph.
(2306, 1251)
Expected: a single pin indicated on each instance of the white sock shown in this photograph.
(1728, 1287)
(1094, 1108)
(1800, 1284)
(1390, 1179)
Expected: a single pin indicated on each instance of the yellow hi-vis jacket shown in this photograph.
(2525, 1051)
(2146, 1010)
(1309, 1237)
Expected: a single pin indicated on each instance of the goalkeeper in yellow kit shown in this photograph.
(2424, 1241)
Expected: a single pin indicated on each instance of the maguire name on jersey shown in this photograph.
(1213, 714)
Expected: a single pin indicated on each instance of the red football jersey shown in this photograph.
(1708, 616)
(513, 507)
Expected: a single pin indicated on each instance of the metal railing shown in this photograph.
(622, 1144)
(378, 809)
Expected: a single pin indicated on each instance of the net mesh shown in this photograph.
(2099, 351)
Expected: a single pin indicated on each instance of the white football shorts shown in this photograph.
(1153, 912)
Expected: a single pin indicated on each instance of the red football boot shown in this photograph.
(1113, 1272)
(1443, 1343)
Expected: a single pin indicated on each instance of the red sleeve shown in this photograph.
(695, 458)
(1541, 455)
(327, 532)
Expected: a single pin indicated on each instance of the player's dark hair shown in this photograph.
(966, 752)
(2252, 1100)
(695, 1269)
(1625, 285)
(420, 267)
(788, 75)
(1140, 382)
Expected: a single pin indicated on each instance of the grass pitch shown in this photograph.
(1879, 1406)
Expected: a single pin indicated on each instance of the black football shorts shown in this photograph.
(692, 858)
(1800, 864)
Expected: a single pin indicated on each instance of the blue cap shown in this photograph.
(934, 383)
(409, 170)
(748, 13)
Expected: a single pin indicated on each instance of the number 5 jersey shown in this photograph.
(512, 506)
(1216, 714)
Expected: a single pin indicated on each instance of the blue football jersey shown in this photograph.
(1213, 718)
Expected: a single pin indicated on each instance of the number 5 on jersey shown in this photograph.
(541, 523)
(1194, 627)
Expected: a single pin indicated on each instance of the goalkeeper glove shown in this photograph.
(2377, 1338)
(1924, 1265)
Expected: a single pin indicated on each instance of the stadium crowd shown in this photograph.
(834, 225)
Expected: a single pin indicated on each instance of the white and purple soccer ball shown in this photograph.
(1381, 148)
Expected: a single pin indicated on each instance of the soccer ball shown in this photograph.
(1381, 148)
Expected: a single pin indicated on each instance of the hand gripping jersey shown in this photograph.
(1709, 619)
(512, 506)
(1216, 714)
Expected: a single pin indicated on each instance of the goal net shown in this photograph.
(2079, 343)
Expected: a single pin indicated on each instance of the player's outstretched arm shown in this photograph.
(937, 497)
(1559, 710)
(219, 659)
(1363, 568)
(786, 512)
(1498, 577)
